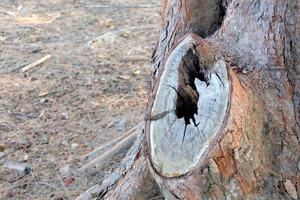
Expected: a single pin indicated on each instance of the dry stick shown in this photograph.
(125, 6)
(118, 148)
(36, 63)
(102, 149)
(134, 28)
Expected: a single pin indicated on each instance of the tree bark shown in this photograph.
(251, 151)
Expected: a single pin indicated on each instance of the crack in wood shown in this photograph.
(187, 95)
(188, 107)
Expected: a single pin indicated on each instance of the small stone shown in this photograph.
(290, 189)
(65, 142)
(22, 168)
(34, 50)
(74, 145)
(125, 34)
(65, 115)
(25, 158)
(43, 100)
(136, 72)
(108, 38)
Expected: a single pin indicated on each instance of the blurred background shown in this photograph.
(74, 74)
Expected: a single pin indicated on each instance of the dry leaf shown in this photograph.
(2, 147)
(69, 180)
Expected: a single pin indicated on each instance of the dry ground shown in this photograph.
(92, 89)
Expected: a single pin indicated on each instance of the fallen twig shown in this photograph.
(102, 149)
(125, 6)
(117, 32)
(36, 63)
(121, 146)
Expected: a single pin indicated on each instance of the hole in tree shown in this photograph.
(191, 68)
(208, 17)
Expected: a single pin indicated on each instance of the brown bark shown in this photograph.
(256, 155)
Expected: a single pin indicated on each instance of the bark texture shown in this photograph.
(257, 153)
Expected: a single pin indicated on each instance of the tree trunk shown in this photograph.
(223, 113)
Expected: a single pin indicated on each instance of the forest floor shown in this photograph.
(92, 88)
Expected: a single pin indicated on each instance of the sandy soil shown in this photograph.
(92, 89)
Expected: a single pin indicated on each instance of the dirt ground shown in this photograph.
(92, 89)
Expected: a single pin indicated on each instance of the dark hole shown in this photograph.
(187, 95)
(209, 17)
